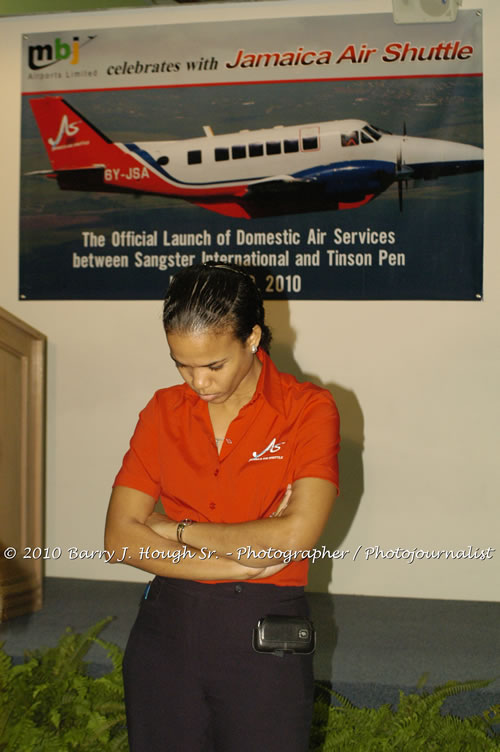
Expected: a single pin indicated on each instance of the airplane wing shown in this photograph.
(325, 187)
(275, 183)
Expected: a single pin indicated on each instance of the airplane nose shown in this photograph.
(431, 158)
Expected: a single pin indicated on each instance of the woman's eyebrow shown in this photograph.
(207, 365)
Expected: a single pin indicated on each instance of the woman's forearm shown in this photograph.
(139, 546)
(253, 556)
(129, 540)
(256, 543)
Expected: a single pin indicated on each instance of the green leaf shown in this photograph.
(51, 704)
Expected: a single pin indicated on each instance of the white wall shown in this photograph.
(417, 382)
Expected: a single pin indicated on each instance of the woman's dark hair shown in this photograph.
(218, 297)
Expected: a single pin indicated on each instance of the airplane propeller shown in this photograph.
(402, 171)
(399, 165)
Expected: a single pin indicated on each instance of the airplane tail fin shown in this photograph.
(71, 141)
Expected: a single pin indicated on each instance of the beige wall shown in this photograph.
(417, 382)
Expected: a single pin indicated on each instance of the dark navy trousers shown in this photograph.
(193, 682)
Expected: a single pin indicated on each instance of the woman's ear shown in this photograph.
(254, 338)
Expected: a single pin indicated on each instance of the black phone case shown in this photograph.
(284, 634)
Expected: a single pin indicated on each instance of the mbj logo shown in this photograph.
(43, 55)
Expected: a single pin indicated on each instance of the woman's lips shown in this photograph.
(207, 397)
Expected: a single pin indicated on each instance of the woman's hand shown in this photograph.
(265, 571)
(283, 503)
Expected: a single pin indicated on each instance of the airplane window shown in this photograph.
(256, 150)
(310, 142)
(372, 132)
(194, 157)
(291, 145)
(350, 139)
(273, 147)
(238, 152)
(221, 154)
(162, 161)
(380, 130)
(365, 138)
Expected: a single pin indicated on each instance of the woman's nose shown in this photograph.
(201, 379)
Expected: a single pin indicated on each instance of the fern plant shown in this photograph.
(416, 725)
(51, 704)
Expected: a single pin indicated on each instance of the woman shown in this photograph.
(244, 460)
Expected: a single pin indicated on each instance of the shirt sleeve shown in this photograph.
(141, 467)
(318, 440)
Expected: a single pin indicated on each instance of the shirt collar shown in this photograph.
(269, 385)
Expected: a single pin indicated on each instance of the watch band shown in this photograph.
(180, 528)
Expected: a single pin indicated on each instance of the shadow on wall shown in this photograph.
(321, 573)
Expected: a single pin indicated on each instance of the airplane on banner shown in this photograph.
(340, 164)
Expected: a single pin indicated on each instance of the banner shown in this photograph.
(337, 157)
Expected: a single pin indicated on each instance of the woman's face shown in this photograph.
(216, 365)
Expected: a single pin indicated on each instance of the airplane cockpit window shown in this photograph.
(273, 147)
(371, 132)
(238, 152)
(291, 145)
(309, 142)
(255, 150)
(380, 130)
(194, 157)
(162, 161)
(350, 139)
(221, 154)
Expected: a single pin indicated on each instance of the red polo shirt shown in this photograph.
(288, 430)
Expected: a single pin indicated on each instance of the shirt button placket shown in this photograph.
(212, 505)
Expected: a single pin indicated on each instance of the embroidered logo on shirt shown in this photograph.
(269, 453)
